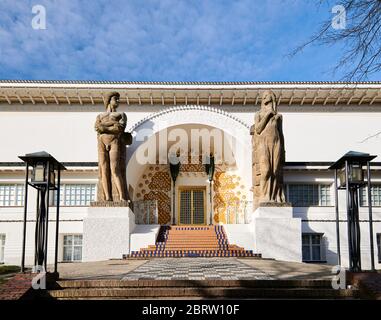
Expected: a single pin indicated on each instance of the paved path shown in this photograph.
(110, 269)
(291, 270)
(119, 269)
(195, 269)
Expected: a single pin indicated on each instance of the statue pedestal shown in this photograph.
(278, 235)
(106, 233)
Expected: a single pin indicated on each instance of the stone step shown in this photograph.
(190, 245)
(194, 248)
(198, 251)
(184, 244)
(191, 237)
(193, 253)
(197, 242)
(190, 240)
(188, 248)
(254, 283)
(193, 228)
(204, 292)
(203, 249)
(203, 241)
(248, 289)
(201, 232)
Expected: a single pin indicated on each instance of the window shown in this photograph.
(11, 195)
(72, 247)
(76, 194)
(312, 247)
(2, 247)
(375, 194)
(379, 246)
(306, 195)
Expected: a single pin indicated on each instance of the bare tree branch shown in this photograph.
(361, 39)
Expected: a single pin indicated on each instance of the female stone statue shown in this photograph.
(268, 152)
(110, 127)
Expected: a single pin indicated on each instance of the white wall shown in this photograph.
(322, 220)
(67, 132)
(11, 220)
(13, 231)
(320, 135)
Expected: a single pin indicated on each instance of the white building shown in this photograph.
(321, 122)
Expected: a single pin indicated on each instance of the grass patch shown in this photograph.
(8, 269)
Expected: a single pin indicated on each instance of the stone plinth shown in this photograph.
(273, 210)
(106, 233)
(104, 203)
(278, 235)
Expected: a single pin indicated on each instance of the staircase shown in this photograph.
(192, 241)
(192, 289)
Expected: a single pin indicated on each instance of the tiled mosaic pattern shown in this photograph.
(228, 191)
(155, 184)
(195, 269)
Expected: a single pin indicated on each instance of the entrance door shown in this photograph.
(192, 206)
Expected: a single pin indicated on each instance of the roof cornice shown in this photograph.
(187, 93)
(171, 83)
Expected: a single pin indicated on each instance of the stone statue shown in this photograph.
(112, 141)
(268, 153)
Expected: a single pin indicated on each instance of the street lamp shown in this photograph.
(349, 170)
(174, 168)
(209, 169)
(46, 176)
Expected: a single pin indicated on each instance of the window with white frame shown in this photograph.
(307, 195)
(72, 247)
(312, 247)
(379, 246)
(11, 195)
(375, 195)
(2, 247)
(76, 194)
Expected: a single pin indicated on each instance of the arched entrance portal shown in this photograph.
(196, 131)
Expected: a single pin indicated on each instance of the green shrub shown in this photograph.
(9, 269)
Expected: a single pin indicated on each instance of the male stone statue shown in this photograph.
(268, 153)
(112, 140)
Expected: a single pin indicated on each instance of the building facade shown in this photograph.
(321, 122)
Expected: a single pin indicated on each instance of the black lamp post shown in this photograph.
(46, 176)
(349, 170)
(174, 168)
(209, 169)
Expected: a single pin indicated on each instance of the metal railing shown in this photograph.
(146, 212)
(237, 212)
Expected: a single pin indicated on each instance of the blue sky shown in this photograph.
(167, 40)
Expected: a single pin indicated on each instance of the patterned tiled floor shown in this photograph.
(195, 269)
